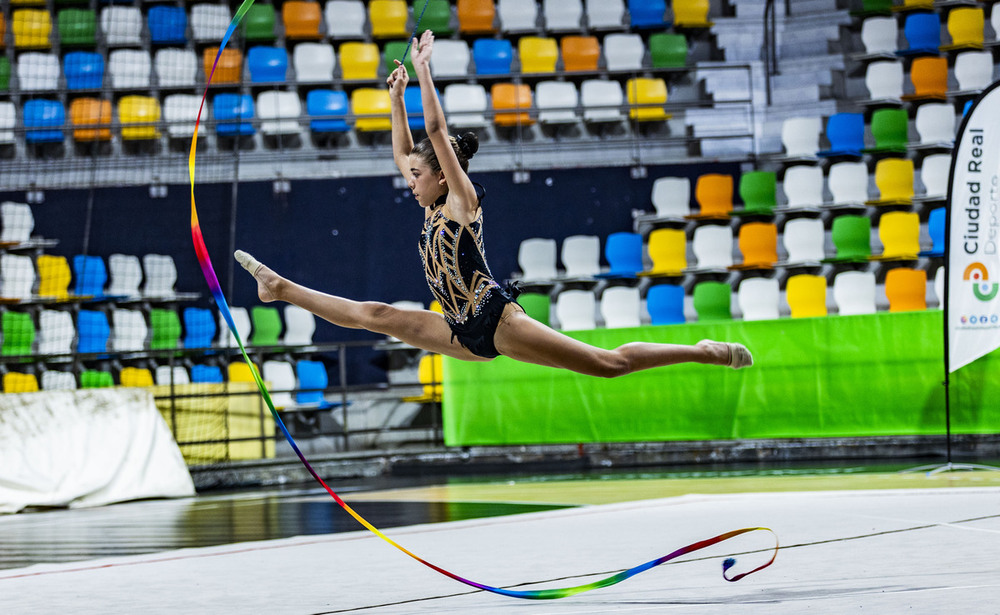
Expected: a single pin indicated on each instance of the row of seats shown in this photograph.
(99, 331)
(330, 111)
(352, 61)
(298, 386)
(50, 277)
(307, 20)
(966, 28)
(757, 298)
(711, 248)
(929, 78)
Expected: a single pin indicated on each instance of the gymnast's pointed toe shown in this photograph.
(248, 262)
(739, 356)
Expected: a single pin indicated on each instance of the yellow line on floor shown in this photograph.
(608, 491)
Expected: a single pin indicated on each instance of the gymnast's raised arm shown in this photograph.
(402, 140)
(462, 200)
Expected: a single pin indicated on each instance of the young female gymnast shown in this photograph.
(481, 319)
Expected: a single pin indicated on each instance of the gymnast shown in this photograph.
(481, 319)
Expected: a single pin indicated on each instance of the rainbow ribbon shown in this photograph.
(543, 594)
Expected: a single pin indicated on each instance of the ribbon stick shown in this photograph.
(213, 283)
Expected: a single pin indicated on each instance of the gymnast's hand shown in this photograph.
(421, 53)
(397, 80)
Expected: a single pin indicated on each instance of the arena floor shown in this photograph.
(852, 540)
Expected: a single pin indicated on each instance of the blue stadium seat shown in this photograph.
(267, 64)
(935, 226)
(647, 13)
(89, 275)
(492, 56)
(233, 114)
(93, 331)
(84, 70)
(846, 134)
(312, 375)
(206, 373)
(199, 327)
(330, 105)
(167, 24)
(415, 107)
(623, 252)
(665, 304)
(923, 34)
(43, 121)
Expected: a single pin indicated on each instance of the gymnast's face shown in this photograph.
(426, 185)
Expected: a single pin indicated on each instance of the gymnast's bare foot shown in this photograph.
(728, 354)
(267, 281)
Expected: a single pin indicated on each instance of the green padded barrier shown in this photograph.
(77, 28)
(536, 305)
(93, 379)
(713, 301)
(668, 50)
(437, 16)
(393, 51)
(18, 333)
(835, 376)
(266, 323)
(852, 238)
(166, 326)
(258, 23)
(758, 190)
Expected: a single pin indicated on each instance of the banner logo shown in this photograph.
(978, 275)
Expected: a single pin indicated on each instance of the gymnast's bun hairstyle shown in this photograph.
(465, 145)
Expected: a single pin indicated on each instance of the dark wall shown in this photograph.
(352, 237)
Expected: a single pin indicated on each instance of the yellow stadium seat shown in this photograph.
(435, 307)
(965, 25)
(240, 372)
(14, 382)
(230, 66)
(138, 116)
(388, 18)
(906, 289)
(806, 295)
(646, 97)
(667, 249)
(359, 60)
(301, 19)
(691, 14)
(507, 96)
(136, 377)
(899, 232)
(430, 373)
(54, 276)
(894, 180)
(371, 102)
(31, 28)
(538, 54)
(94, 118)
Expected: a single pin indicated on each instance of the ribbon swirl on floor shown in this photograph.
(543, 594)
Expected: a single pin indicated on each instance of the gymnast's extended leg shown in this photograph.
(521, 337)
(419, 328)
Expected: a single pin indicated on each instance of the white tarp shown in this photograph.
(973, 262)
(86, 448)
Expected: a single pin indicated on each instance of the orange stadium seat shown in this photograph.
(476, 16)
(230, 66)
(301, 19)
(580, 52)
(93, 116)
(510, 96)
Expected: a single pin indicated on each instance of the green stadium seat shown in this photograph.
(437, 16)
(18, 333)
(4, 74)
(393, 51)
(258, 23)
(668, 50)
(166, 326)
(712, 301)
(94, 379)
(77, 28)
(266, 325)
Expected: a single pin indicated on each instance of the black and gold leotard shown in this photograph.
(455, 264)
